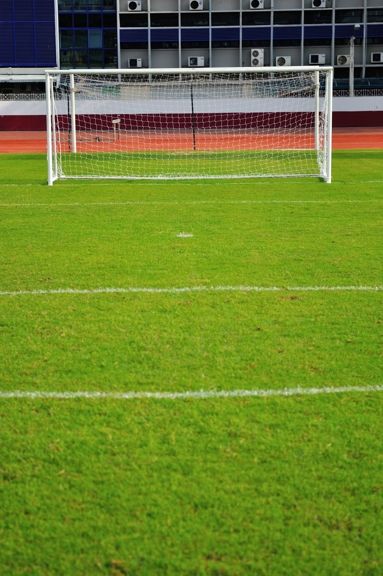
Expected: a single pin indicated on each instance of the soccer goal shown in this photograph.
(189, 123)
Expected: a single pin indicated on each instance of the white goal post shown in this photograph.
(182, 123)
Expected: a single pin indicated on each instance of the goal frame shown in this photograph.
(53, 173)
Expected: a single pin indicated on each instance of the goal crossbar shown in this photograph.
(190, 70)
(176, 123)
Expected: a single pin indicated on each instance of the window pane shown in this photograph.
(96, 58)
(318, 17)
(164, 20)
(110, 21)
(348, 16)
(225, 18)
(94, 4)
(314, 42)
(81, 38)
(65, 4)
(110, 58)
(80, 58)
(284, 43)
(95, 38)
(80, 20)
(375, 15)
(110, 39)
(66, 38)
(255, 18)
(65, 21)
(195, 44)
(164, 45)
(74, 58)
(291, 17)
(95, 20)
(66, 57)
(195, 19)
(225, 44)
(133, 20)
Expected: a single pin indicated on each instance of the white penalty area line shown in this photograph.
(187, 395)
(188, 290)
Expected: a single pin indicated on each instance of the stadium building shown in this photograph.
(38, 34)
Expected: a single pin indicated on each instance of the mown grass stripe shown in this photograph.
(189, 394)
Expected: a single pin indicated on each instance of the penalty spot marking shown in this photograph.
(190, 394)
(184, 235)
(189, 289)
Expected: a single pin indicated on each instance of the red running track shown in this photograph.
(343, 138)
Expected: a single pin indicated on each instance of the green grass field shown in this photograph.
(216, 486)
(190, 164)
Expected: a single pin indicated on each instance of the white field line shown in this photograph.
(178, 203)
(189, 289)
(189, 394)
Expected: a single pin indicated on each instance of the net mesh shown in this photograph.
(201, 125)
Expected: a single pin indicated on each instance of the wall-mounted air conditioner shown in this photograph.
(135, 63)
(257, 56)
(376, 57)
(135, 6)
(317, 59)
(283, 61)
(257, 4)
(319, 3)
(343, 60)
(196, 61)
(195, 4)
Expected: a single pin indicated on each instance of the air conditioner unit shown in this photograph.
(317, 58)
(195, 4)
(196, 61)
(343, 60)
(376, 57)
(135, 6)
(257, 56)
(135, 63)
(319, 3)
(257, 4)
(283, 61)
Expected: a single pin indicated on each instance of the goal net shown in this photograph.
(189, 123)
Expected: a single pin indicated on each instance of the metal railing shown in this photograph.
(41, 97)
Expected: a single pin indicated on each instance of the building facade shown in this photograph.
(181, 33)
(88, 33)
(171, 33)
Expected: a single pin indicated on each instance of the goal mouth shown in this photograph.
(180, 123)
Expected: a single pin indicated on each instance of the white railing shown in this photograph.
(37, 97)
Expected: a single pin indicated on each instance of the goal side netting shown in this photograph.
(183, 123)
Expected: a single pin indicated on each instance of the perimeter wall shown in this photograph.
(29, 115)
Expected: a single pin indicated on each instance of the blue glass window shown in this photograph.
(95, 38)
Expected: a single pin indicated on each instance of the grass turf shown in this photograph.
(215, 487)
(189, 164)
